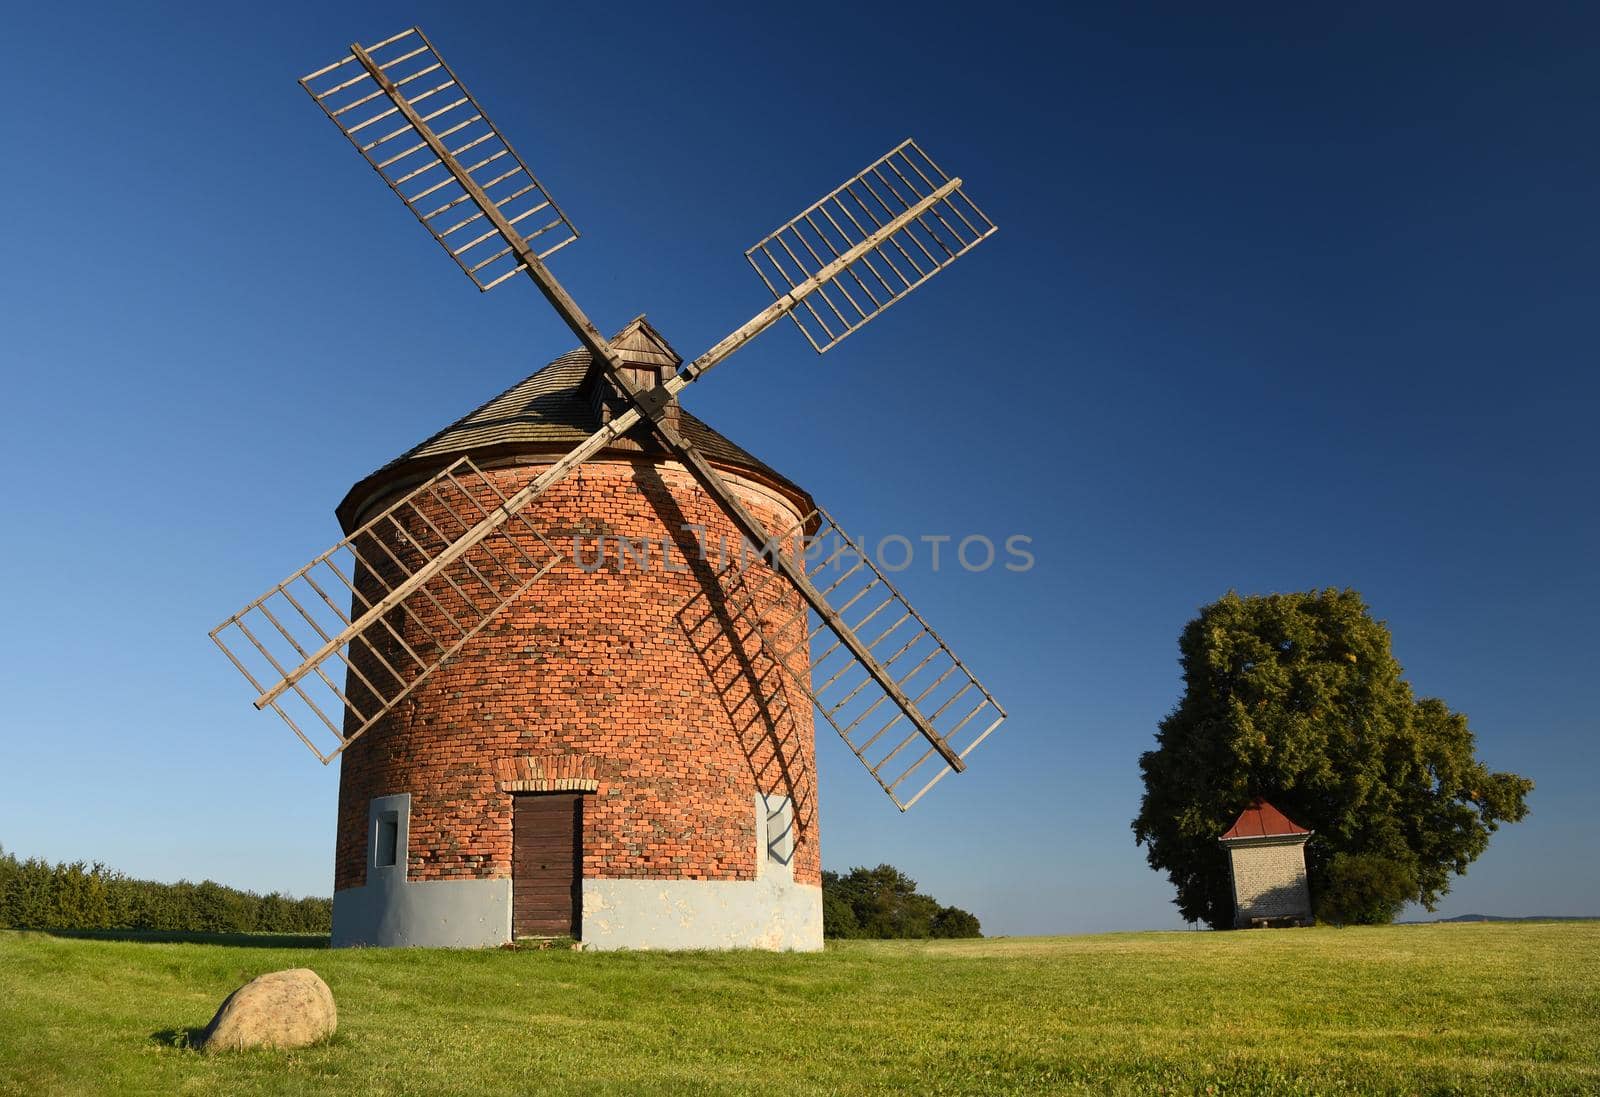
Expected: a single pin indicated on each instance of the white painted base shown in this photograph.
(769, 912)
(393, 912)
(713, 914)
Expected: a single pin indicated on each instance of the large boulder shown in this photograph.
(280, 1009)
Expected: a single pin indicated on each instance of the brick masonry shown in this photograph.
(642, 687)
(1269, 878)
(556, 773)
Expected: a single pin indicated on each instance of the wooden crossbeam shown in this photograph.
(597, 345)
(648, 406)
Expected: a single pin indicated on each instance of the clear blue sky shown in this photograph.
(1281, 299)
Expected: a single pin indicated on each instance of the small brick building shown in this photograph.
(614, 756)
(1267, 859)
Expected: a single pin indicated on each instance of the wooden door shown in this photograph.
(546, 864)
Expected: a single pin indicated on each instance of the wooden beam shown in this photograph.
(757, 534)
(648, 405)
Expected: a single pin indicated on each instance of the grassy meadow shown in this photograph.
(1442, 1009)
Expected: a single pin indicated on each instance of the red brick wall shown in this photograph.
(635, 677)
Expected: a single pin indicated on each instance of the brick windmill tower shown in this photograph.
(570, 645)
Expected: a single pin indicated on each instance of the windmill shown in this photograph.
(352, 636)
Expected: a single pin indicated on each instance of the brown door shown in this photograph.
(546, 864)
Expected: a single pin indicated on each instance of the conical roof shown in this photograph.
(547, 414)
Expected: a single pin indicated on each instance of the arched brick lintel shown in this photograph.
(551, 773)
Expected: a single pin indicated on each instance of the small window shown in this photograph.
(388, 839)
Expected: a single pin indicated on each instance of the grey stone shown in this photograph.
(281, 1009)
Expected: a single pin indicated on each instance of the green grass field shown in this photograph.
(1492, 1009)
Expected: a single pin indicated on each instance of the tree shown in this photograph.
(838, 916)
(882, 903)
(1298, 698)
(955, 922)
(1364, 889)
(37, 895)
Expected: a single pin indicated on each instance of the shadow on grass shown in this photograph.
(188, 1040)
(166, 937)
(184, 1039)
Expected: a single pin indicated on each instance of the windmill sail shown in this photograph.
(901, 253)
(421, 579)
(409, 116)
(888, 737)
(425, 575)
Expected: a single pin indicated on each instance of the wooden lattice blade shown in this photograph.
(945, 226)
(945, 696)
(339, 643)
(411, 119)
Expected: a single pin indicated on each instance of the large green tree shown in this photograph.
(883, 902)
(1298, 698)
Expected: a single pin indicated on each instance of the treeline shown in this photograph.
(35, 894)
(883, 903)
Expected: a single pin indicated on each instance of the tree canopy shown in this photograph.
(883, 902)
(1298, 698)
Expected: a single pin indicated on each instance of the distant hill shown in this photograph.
(1503, 918)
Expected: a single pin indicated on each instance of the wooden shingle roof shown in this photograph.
(547, 413)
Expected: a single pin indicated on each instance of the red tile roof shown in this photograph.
(1262, 820)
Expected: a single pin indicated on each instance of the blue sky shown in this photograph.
(1280, 299)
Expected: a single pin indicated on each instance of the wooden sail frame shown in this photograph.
(444, 158)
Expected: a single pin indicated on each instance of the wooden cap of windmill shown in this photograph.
(552, 410)
(648, 361)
